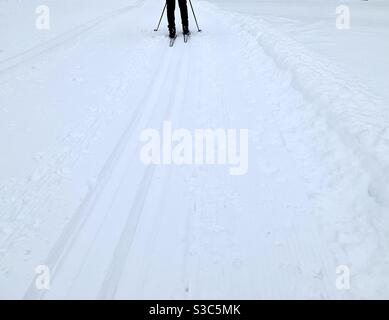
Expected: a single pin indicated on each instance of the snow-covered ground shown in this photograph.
(75, 197)
(360, 51)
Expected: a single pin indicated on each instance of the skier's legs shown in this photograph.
(184, 12)
(171, 6)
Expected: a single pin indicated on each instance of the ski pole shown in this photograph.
(159, 23)
(198, 29)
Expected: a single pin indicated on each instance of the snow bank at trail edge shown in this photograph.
(351, 205)
(361, 121)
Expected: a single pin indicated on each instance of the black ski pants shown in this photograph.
(171, 6)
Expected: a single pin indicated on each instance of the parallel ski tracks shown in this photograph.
(49, 45)
(173, 107)
(65, 242)
(48, 173)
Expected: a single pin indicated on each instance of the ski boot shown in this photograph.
(172, 32)
(185, 30)
(186, 33)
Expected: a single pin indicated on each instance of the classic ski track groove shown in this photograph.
(49, 175)
(72, 229)
(71, 157)
(115, 271)
(47, 46)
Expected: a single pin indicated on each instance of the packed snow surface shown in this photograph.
(75, 197)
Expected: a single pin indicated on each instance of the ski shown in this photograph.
(186, 37)
(171, 44)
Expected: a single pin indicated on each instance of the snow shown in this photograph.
(74, 195)
(359, 51)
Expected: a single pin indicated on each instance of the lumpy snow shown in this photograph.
(75, 197)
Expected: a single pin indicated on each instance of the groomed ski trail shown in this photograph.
(195, 231)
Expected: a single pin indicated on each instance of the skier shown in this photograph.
(171, 6)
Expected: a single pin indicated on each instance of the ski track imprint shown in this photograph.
(197, 232)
